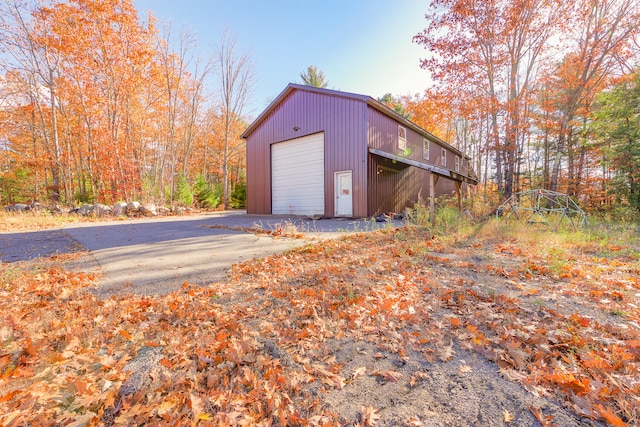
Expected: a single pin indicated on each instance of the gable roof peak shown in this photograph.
(371, 102)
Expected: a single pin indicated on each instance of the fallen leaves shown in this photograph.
(125, 334)
(369, 416)
(507, 416)
(610, 417)
(327, 377)
(417, 377)
(465, 369)
(247, 351)
(358, 372)
(78, 358)
(446, 352)
(571, 384)
(388, 375)
(543, 419)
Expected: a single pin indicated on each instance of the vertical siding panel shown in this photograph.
(342, 121)
(394, 188)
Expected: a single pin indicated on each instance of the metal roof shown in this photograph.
(291, 87)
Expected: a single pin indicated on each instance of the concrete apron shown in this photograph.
(158, 255)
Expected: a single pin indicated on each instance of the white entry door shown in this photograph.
(344, 194)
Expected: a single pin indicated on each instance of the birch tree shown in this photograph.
(236, 74)
(38, 65)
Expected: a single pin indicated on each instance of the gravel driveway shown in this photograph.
(157, 255)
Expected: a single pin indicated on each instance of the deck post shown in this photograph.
(459, 192)
(433, 180)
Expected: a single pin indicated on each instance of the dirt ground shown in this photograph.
(402, 384)
(391, 328)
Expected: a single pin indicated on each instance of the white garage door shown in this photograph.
(297, 176)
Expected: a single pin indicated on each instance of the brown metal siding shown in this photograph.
(383, 135)
(303, 113)
(445, 186)
(392, 186)
(258, 186)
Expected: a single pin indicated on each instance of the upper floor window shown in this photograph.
(457, 164)
(425, 149)
(402, 138)
(443, 158)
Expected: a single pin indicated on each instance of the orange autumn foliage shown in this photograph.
(107, 111)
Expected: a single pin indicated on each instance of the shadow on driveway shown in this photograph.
(157, 255)
(30, 245)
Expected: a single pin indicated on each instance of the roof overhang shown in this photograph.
(431, 168)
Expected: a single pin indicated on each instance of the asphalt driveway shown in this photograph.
(157, 255)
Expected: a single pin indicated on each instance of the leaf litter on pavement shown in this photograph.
(395, 327)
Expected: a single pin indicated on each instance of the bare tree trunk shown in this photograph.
(487, 159)
(225, 164)
(545, 160)
(555, 172)
(55, 194)
(498, 153)
(236, 74)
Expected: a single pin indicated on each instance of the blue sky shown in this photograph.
(362, 46)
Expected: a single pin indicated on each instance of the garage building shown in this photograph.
(327, 153)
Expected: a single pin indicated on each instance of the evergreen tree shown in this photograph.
(314, 77)
(618, 128)
(395, 104)
(207, 195)
(239, 196)
(183, 194)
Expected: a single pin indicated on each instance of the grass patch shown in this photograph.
(447, 220)
(32, 220)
